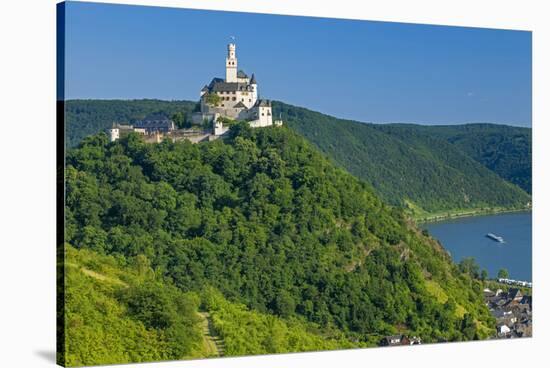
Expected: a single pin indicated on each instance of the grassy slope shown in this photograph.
(99, 329)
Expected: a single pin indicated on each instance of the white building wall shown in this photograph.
(228, 100)
(254, 93)
(263, 117)
(114, 134)
(246, 98)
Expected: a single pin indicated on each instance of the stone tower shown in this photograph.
(231, 64)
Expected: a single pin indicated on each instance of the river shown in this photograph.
(466, 237)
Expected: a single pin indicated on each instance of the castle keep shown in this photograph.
(235, 97)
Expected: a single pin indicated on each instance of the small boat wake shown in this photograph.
(496, 238)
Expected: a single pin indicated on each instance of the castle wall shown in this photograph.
(114, 134)
(263, 117)
(230, 99)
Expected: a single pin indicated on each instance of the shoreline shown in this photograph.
(466, 213)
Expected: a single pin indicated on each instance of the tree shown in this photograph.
(213, 99)
(268, 221)
(179, 119)
(503, 273)
(285, 304)
(484, 275)
(468, 265)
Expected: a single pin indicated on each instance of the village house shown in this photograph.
(397, 340)
(512, 311)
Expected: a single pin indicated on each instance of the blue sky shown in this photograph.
(367, 71)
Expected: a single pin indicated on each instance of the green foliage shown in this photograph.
(227, 121)
(469, 266)
(503, 273)
(247, 332)
(181, 121)
(423, 168)
(484, 275)
(117, 312)
(415, 166)
(213, 99)
(506, 150)
(273, 225)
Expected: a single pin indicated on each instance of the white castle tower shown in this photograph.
(231, 64)
(235, 98)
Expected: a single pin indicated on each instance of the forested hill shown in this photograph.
(266, 221)
(506, 150)
(428, 169)
(417, 166)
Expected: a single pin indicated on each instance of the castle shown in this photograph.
(221, 102)
(235, 97)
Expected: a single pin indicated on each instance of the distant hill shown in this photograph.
(427, 169)
(409, 165)
(504, 149)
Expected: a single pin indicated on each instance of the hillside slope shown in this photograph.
(268, 221)
(506, 150)
(406, 165)
(118, 311)
(428, 169)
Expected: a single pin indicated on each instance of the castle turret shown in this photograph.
(254, 88)
(231, 64)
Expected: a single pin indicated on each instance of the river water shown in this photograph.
(466, 237)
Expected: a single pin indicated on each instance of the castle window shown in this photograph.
(234, 98)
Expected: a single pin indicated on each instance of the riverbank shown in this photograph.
(454, 214)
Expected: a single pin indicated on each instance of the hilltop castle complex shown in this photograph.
(221, 101)
(235, 97)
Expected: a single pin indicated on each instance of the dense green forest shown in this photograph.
(407, 164)
(426, 169)
(281, 237)
(506, 150)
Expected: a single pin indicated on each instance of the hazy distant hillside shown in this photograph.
(406, 164)
(506, 150)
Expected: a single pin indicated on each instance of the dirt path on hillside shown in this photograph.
(213, 343)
